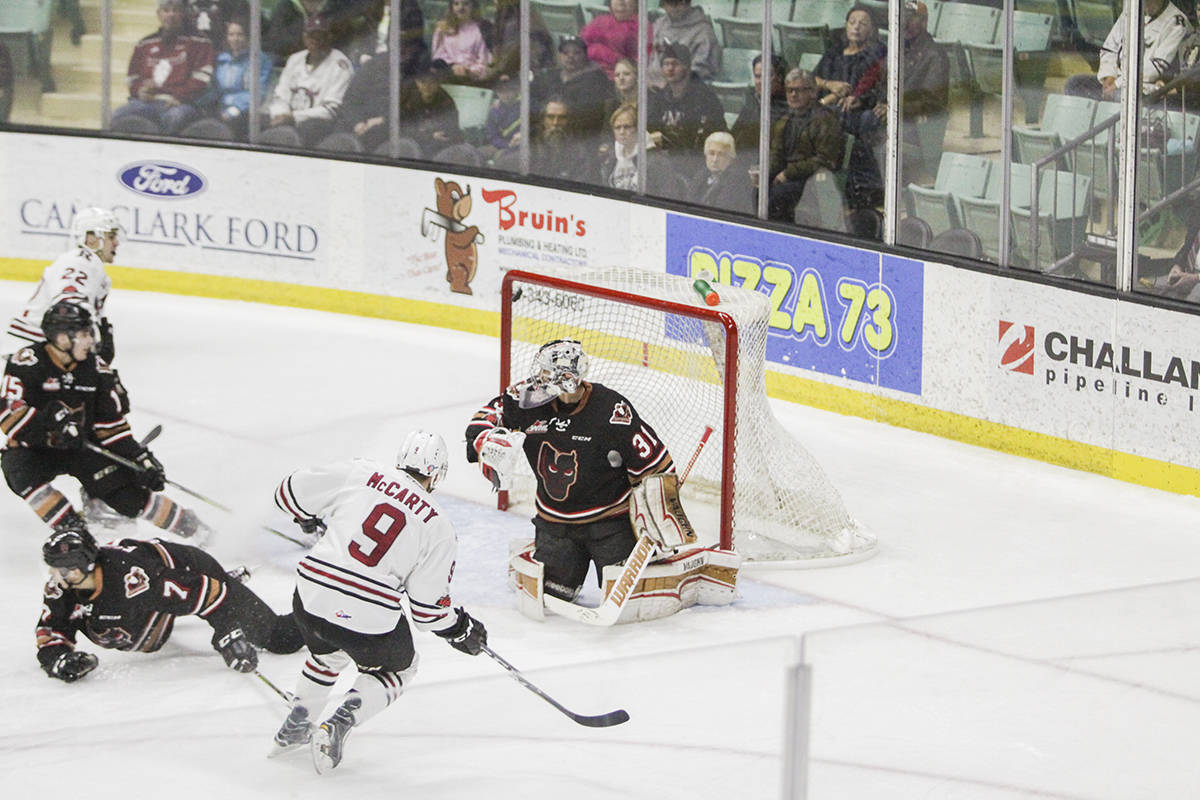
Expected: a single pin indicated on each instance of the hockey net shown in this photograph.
(685, 366)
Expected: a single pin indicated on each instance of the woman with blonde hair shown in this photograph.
(458, 41)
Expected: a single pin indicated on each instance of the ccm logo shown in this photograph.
(1016, 347)
(162, 179)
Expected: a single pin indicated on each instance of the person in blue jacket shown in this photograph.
(230, 92)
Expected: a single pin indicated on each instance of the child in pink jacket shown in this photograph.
(458, 41)
(611, 37)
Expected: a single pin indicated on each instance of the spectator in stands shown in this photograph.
(503, 127)
(809, 138)
(612, 37)
(310, 89)
(365, 103)
(458, 41)
(580, 83)
(745, 127)
(364, 36)
(1163, 28)
(70, 9)
(555, 152)
(169, 71)
(718, 186)
(682, 114)
(618, 165)
(849, 73)
(624, 85)
(428, 114)
(505, 41)
(353, 25)
(683, 23)
(230, 91)
(284, 31)
(1183, 281)
(209, 17)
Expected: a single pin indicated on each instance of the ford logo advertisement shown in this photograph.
(161, 179)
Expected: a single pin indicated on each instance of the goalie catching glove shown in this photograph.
(500, 450)
(467, 635)
(656, 511)
(71, 666)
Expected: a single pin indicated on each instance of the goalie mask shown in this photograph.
(558, 368)
(424, 453)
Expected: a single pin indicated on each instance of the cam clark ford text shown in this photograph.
(184, 229)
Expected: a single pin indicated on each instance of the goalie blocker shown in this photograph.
(635, 593)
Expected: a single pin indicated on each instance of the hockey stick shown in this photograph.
(125, 462)
(152, 435)
(284, 694)
(609, 611)
(597, 721)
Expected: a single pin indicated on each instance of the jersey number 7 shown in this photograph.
(381, 527)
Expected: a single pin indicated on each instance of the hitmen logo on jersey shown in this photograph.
(1016, 347)
(462, 254)
(558, 470)
(621, 414)
(161, 179)
(136, 582)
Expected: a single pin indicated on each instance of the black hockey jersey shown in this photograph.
(568, 448)
(34, 389)
(143, 586)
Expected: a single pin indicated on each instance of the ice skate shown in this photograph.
(191, 528)
(295, 732)
(329, 739)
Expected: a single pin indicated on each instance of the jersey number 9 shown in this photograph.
(381, 526)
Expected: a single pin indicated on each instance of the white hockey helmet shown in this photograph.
(93, 220)
(424, 453)
(559, 367)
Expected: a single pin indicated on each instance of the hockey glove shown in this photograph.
(106, 349)
(71, 666)
(62, 428)
(237, 651)
(500, 451)
(467, 635)
(313, 526)
(151, 476)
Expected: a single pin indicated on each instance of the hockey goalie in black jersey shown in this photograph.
(59, 398)
(126, 596)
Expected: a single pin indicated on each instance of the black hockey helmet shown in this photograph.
(66, 317)
(71, 547)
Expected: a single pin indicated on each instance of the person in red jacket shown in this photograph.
(168, 71)
(613, 36)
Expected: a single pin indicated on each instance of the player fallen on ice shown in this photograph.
(58, 398)
(596, 462)
(126, 596)
(385, 539)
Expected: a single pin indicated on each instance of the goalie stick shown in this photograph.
(594, 721)
(125, 462)
(607, 613)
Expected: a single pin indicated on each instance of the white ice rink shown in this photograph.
(997, 647)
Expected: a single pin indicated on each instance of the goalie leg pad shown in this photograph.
(528, 578)
(656, 511)
(704, 576)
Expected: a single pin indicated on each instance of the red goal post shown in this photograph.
(685, 365)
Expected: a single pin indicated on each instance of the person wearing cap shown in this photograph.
(579, 82)
(428, 114)
(503, 127)
(310, 89)
(683, 23)
(682, 114)
(613, 36)
(169, 71)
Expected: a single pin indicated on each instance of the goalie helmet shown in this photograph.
(424, 453)
(66, 317)
(93, 220)
(559, 367)
(71, 547)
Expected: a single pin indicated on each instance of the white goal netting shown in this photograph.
(763, 495)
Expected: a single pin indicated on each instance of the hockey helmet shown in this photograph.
(93, 220)
(424, 454)
(66, 316)
(559, 367)
(71, 547)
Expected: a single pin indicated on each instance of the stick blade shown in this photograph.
(603, 720)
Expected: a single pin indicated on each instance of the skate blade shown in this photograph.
(278, 749)
(322, 761)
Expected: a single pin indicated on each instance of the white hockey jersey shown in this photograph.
(77, 273)
(384, 538)
(311, 91)
(1161, 36)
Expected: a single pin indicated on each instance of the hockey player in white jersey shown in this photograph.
(77, 275)
(385, 538)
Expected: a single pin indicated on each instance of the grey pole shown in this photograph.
(1127, 210)
(105, 64)
(394, 78)
(526, 57)
(764, 114)
(642, 92)
(256, 55)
